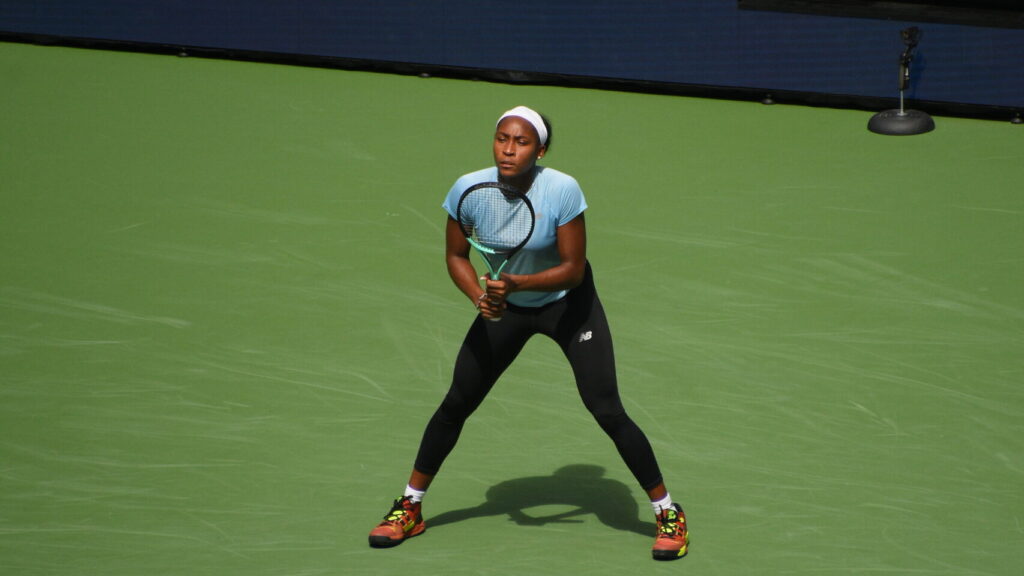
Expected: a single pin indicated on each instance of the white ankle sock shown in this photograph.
(663, 504)
(414, 494)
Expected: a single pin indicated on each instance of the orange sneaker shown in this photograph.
(405, 520)
(673, 538)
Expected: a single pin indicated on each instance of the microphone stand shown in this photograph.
(903, 122)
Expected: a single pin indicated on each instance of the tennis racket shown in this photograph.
(497, 220)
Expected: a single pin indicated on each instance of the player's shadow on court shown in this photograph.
(580, 487)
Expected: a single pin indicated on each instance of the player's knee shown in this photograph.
(454, 410)
(611, 422)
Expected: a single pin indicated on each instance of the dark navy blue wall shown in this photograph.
(705, 42)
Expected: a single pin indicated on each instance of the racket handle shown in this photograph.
(497, 276)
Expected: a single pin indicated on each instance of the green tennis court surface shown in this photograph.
(225, 319)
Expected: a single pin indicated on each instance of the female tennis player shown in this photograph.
(547, 288)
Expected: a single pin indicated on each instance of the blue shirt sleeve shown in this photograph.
(451, 201)
(572, 202)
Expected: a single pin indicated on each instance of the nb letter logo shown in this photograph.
(586, 336)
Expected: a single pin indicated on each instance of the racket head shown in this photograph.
(497, 219)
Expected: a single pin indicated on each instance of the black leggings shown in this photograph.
(578, 324)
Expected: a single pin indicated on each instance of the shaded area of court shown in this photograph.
(225, 319)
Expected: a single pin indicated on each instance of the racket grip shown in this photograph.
(497, 276)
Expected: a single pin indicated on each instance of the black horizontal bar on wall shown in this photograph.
(988, 13)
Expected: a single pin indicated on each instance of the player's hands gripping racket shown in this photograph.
(498, 221)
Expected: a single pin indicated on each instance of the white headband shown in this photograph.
(530, 116)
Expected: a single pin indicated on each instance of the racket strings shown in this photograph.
(495, 219)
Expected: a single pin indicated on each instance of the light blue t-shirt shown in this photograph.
(557, 199)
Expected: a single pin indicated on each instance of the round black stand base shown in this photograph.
(901, 123)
